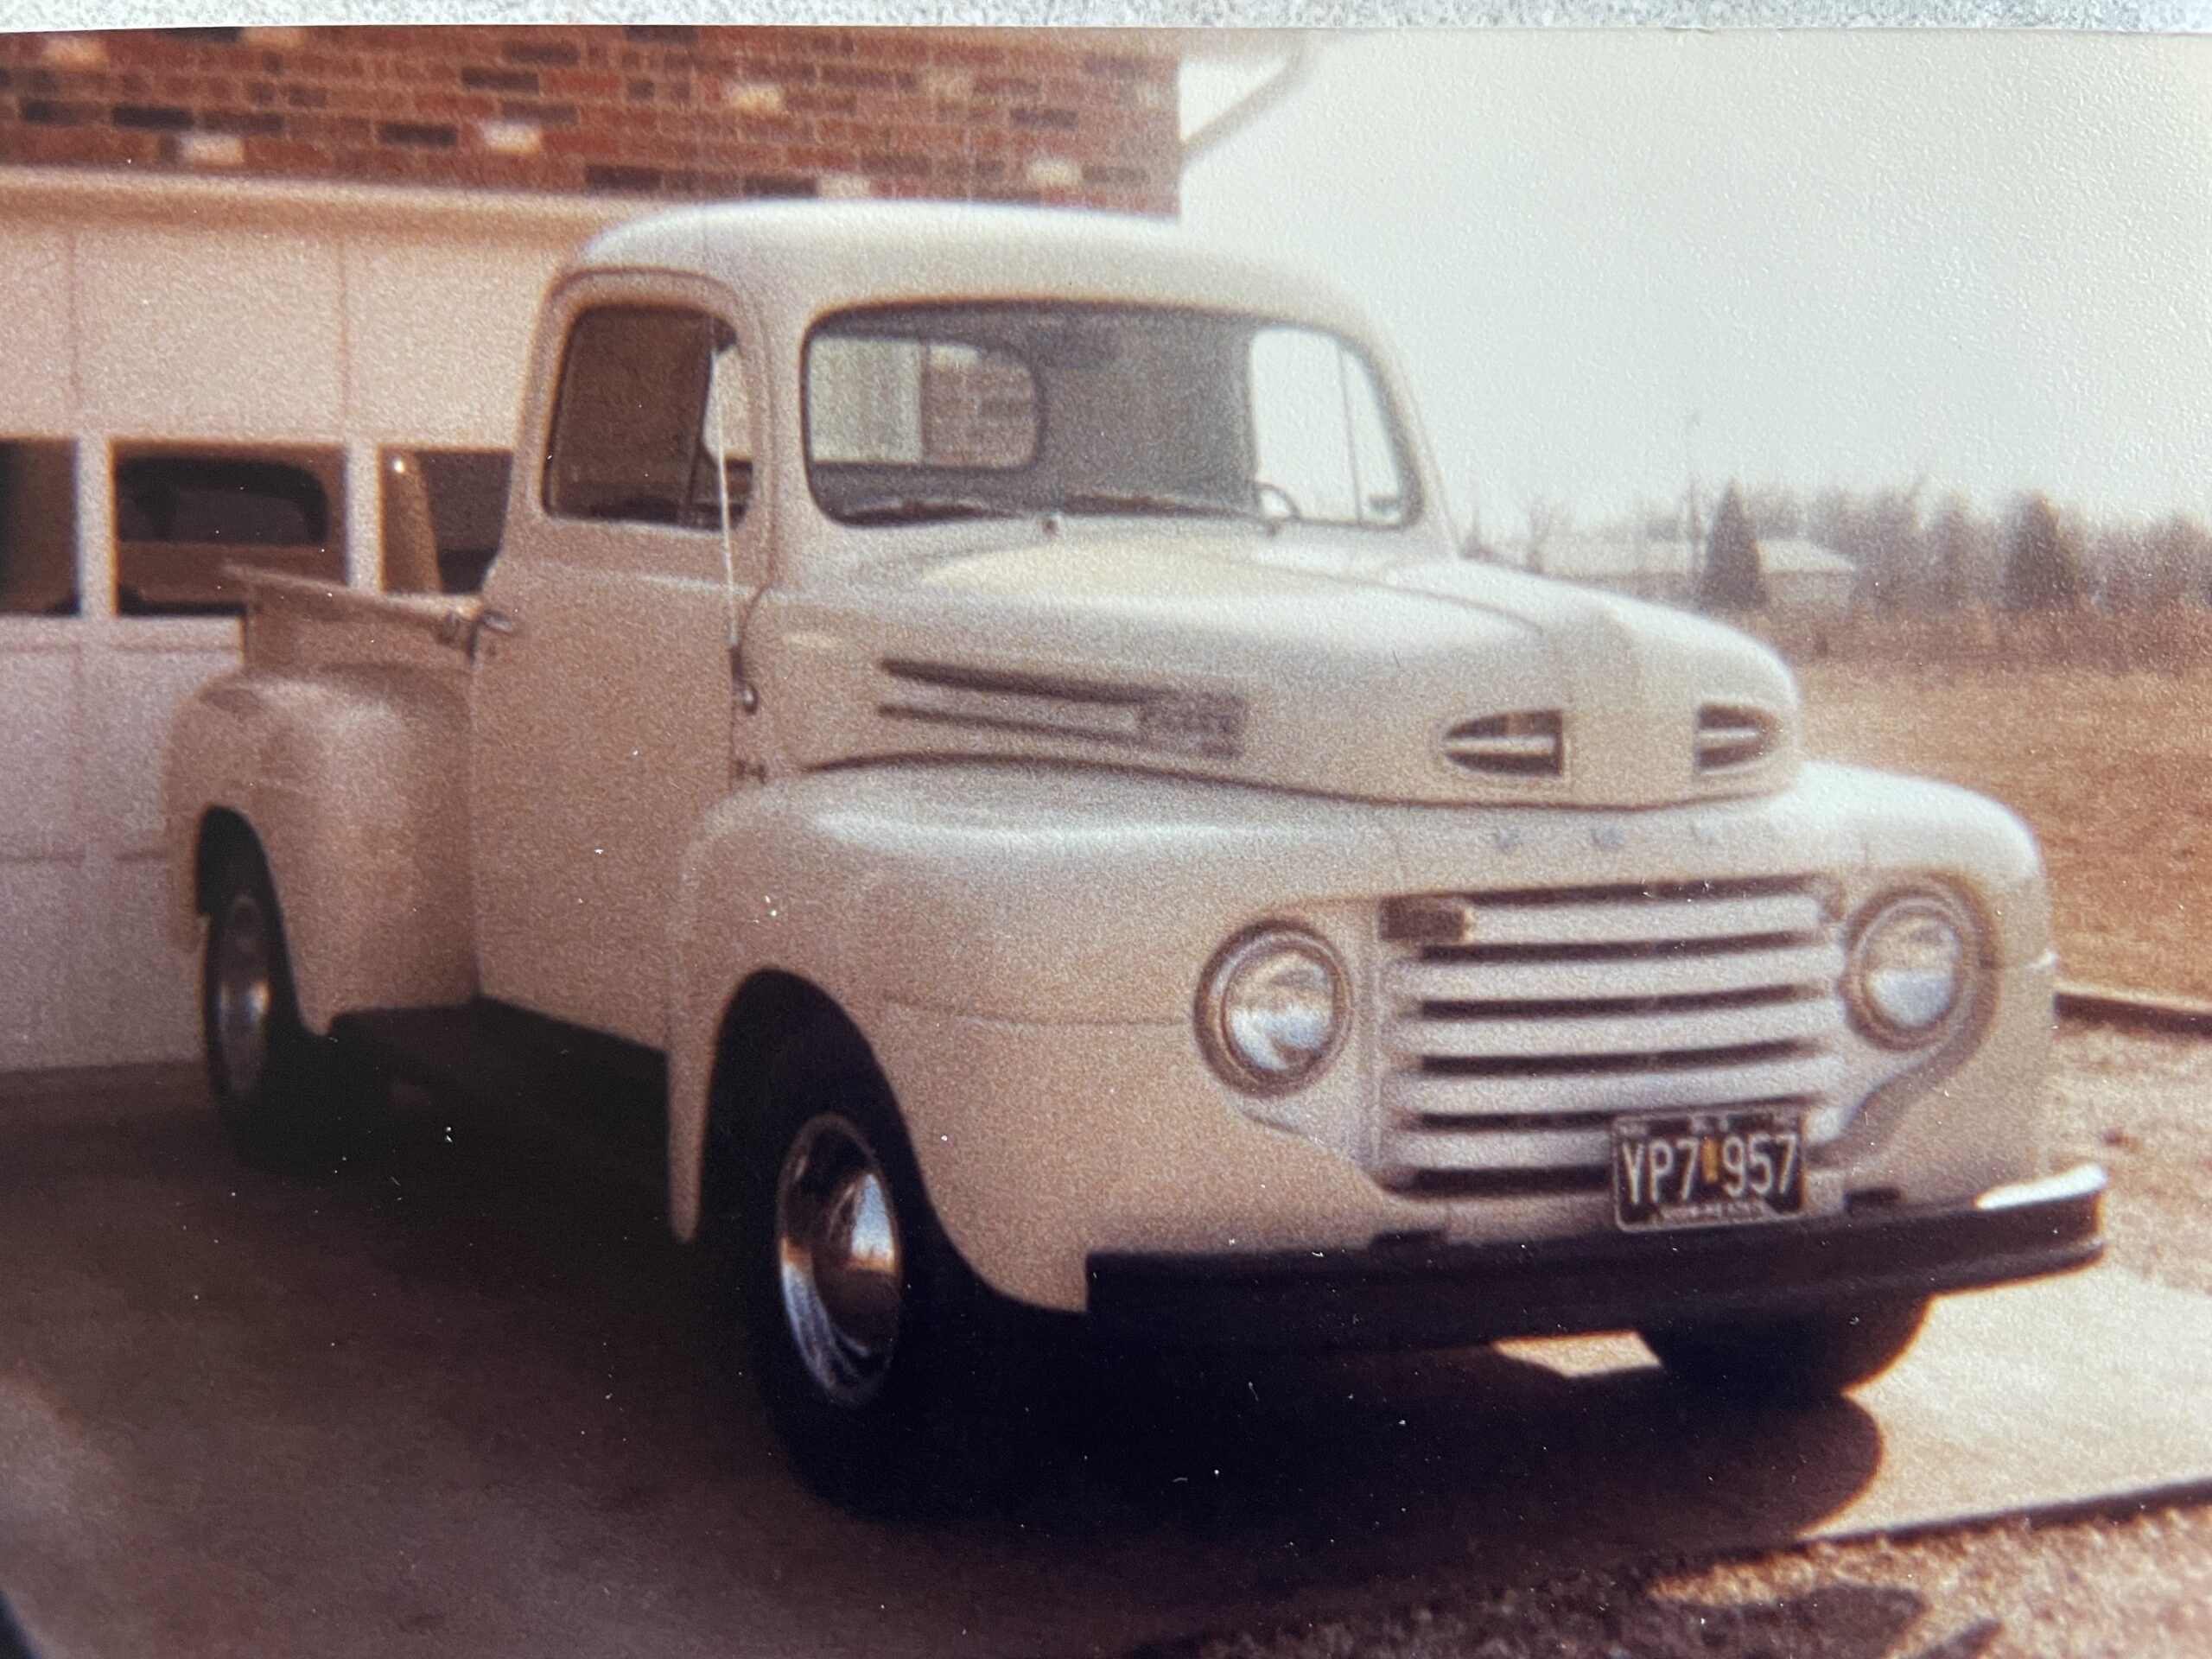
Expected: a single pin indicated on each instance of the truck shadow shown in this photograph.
(483, 1340)
(1264, 1473)
(1306, 1469)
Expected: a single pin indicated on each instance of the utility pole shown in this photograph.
(1696, 549)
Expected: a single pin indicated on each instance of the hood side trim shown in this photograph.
(1209, 724)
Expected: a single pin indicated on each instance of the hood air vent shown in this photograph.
(1208, 724)
(1532, 744)
(1730, 735)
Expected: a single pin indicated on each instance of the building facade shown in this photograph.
(252, 274)
(1067, 119)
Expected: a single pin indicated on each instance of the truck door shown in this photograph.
(604, 711)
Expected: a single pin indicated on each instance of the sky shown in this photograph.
(1806, 259)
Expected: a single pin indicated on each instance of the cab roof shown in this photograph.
(797, 261)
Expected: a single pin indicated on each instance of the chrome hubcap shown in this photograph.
(243, 993)
(838, 1260)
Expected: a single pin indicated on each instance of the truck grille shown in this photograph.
(1518, 1025)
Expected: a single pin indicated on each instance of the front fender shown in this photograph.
(1031, 896)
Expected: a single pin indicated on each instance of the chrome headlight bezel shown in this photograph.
(1233, 967)
(1873, 1012)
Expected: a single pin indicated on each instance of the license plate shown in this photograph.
(1707, 1169)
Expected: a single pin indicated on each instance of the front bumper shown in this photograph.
(1431, 1294)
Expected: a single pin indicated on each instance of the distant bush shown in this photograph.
(1879, 532)
(2135, 566)
(2043, 570)
(1732, 579)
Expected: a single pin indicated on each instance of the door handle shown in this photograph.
(490, 620)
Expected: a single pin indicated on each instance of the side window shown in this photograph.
(444, 510)
(38, 528)
(644, 391)
(182, 516)
(1323, 445)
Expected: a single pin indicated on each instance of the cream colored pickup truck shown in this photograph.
(982, 708)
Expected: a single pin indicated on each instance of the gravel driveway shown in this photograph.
(2138, 1584)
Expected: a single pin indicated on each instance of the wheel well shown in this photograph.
(769, 1010)
(221, 832)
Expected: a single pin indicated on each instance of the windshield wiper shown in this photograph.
(1106, 501)
(911, 509)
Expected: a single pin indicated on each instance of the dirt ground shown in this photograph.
(2128, 1585)
(2114, 771)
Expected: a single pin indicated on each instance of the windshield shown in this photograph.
(921, 412)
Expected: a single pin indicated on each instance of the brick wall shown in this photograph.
(657, 112)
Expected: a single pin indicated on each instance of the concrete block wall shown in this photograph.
(669, 113)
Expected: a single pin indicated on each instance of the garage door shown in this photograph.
(180, 388)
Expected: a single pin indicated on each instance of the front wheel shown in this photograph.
(1796, 1359)
(282, 1098)
(894, 1378)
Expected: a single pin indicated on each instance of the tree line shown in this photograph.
(1913, 557)
(2031, 557)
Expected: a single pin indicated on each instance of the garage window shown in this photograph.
(182, 517)
(38, 527)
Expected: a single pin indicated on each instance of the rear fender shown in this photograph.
(355, 788)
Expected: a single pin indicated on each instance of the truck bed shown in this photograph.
(296, 625)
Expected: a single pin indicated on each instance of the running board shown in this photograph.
(602, 1101)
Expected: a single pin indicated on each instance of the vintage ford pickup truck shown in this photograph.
(984, 705)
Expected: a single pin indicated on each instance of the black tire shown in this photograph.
(898, 1384)
(1796, 1360)
(285, 1095)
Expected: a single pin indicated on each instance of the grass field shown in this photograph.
(2113, 771)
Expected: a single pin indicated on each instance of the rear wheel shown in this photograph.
(894, 1378)
(1796, 1359)
(282, 1096)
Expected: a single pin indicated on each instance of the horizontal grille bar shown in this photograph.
(1524, 1149)
(1579, 1008)
(1565, 1066)
(1567, 1038)
(1494, 1183)
(1641, 921)
(1749, 887)
(1538, 979)
(1410, 1096)
(1572, 1119)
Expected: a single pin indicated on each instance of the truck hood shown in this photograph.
(1307, 662)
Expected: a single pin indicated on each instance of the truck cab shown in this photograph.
(984, 704)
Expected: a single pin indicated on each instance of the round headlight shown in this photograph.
(1908, 973)
(1272, 1009)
